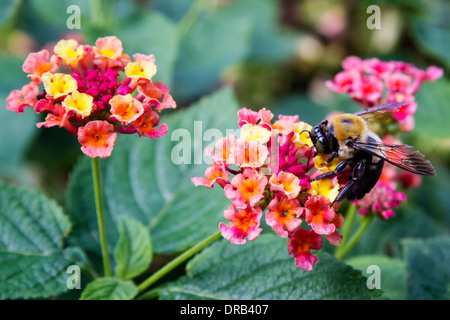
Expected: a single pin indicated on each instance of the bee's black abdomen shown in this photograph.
(362, 185)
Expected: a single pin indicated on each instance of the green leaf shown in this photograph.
(32, 230)
(432, 111)
(427, 267)
(217, 40)
(134, 250)
(16, 130)
(109, 289)
(301, 105)
(9, 8)
(160, 40)
(264, 270)
(141, 180)
(431, 29)
(392, 273)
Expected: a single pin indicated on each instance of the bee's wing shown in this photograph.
(380, 111)
(400, 155)
(382, 108)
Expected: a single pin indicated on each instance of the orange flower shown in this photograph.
(125, 108)
(108, 47)
(246, 188)
(287, 183)
(97, 139)
(37, 63)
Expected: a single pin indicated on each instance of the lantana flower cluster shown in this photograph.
(266, 169)
(94, 92)
(372, 82)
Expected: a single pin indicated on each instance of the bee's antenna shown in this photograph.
(311, 152)
(309, 157)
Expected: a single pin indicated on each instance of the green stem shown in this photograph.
(177, 261)
(349, 218)
(101, 224)
(101, 13)
(364, 224)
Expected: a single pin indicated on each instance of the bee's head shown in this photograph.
(319, 138)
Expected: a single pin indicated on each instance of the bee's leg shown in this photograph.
(357, 174)
(331, 174)
(331, 157)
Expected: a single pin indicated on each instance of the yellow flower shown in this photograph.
(324, 187)
(69, 51)
(140, 69)
(58, 84)
(108, 47)
(80, 103)
(302, 138)
(250, 132)
(323, 166)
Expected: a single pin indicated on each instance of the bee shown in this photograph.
(347, 139)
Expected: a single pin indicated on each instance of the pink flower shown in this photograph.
(244, 223)
(215, 173)
(381, 201)
(246, 188)
(335, 238)
(57, 116)
(97, 139)
(17, 100)
(319, 215)
(109, 47)
(251, 154)
(370, 82)
(154, 92)
(377, 67)
(398, 82)
(300, 245)
(247, 116)
(146, 124)
(286, 183)
(344, 81)
(369, 89)
(38, 63)
(352, 62)
(433, 73)
(92, 97)
(125, 108)
(224, 147)
(282, 215)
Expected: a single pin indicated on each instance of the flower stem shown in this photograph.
(177, 261)
(99, 209)
(345, 249)
(349, 218)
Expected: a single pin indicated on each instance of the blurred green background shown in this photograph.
(274, 53)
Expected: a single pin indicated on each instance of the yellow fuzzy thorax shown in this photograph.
(348, 126)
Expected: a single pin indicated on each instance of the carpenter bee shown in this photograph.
(347, 139)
